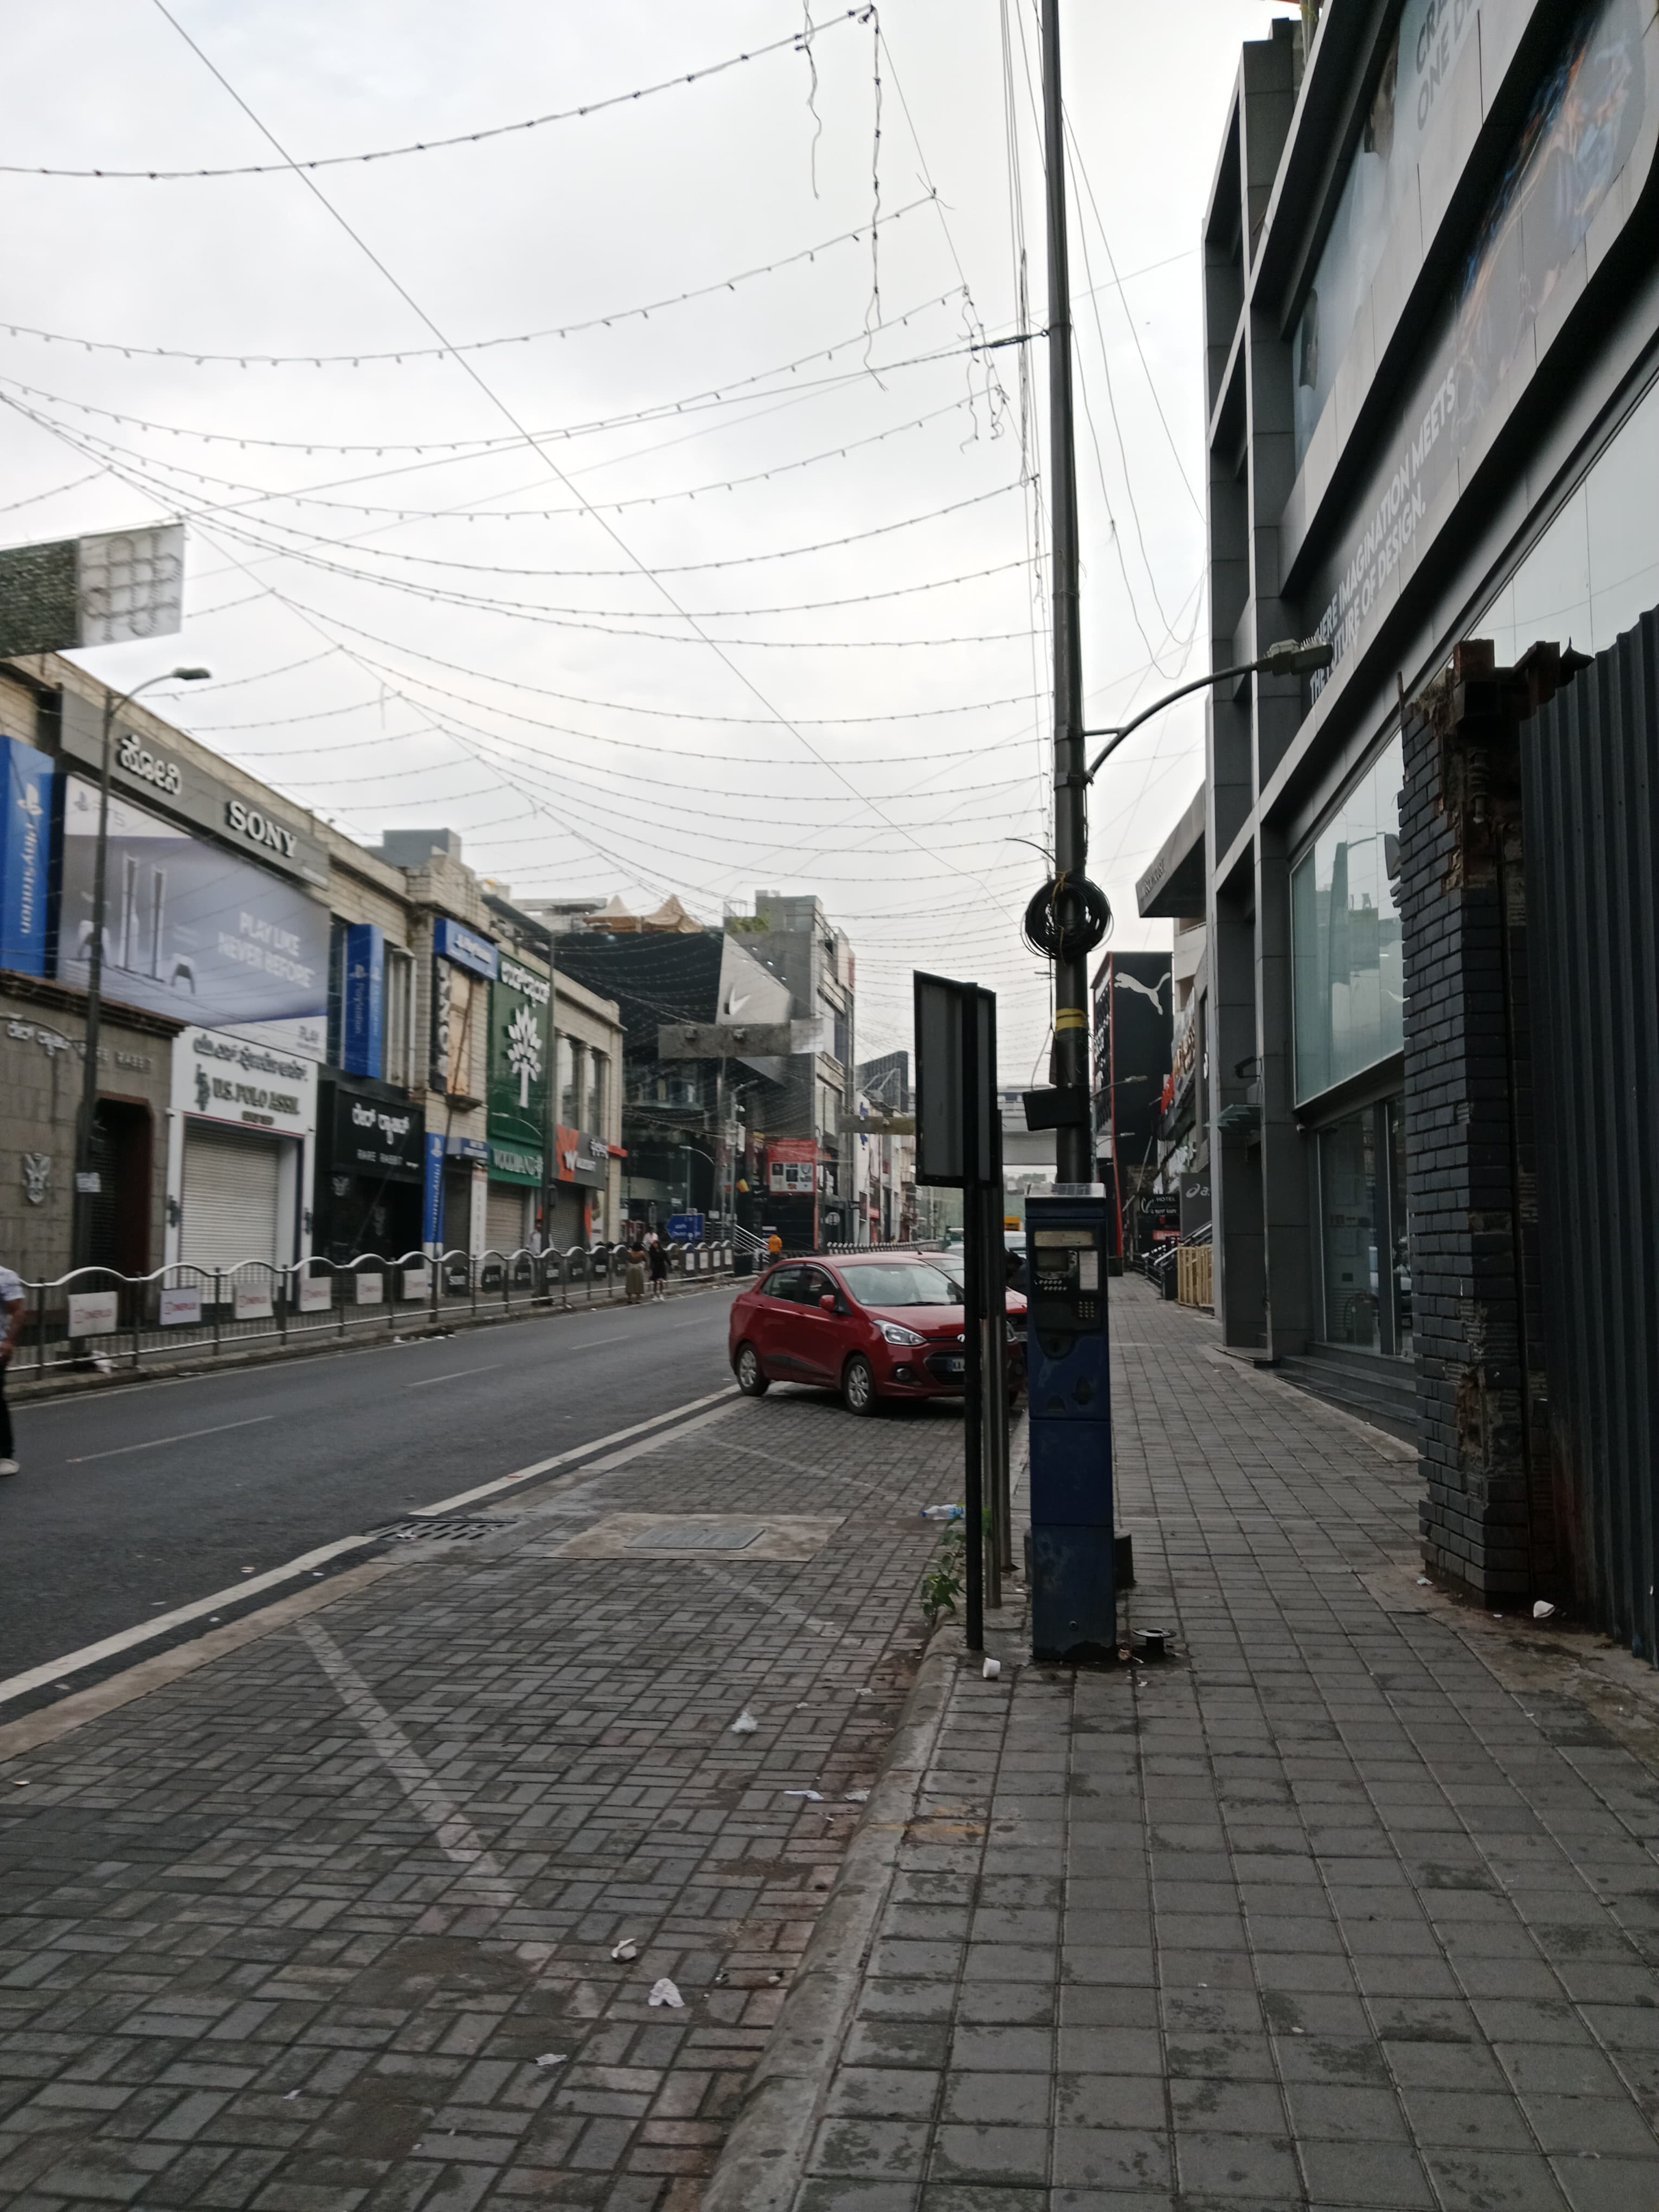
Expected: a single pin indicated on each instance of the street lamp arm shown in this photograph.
(1286, 659)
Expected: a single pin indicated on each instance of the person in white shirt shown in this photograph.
(11, 1298)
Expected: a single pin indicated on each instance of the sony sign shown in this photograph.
(261, 830)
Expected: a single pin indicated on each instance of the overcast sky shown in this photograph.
(738, 592)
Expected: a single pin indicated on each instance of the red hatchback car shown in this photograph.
(890, 1326)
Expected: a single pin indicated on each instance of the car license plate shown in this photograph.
(954, 1366)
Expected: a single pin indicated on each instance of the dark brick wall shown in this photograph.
(1485, 1519)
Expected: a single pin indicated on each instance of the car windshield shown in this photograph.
(902, 1282)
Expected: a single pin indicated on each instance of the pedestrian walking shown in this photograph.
(634, 1280)
(11, 1298)
(657, 1253)
(774, 1246)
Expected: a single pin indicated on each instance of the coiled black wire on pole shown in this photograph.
(1068, 918)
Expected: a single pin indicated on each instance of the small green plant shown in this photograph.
(943, 1583)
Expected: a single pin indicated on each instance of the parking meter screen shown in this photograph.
(1065, 1265)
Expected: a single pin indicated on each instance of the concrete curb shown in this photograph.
(761, 2167)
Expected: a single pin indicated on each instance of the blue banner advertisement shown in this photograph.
(363, 1043)
(433, 1222)
(24, 848)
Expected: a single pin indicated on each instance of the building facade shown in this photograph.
(289, 1020)
(1431, 306)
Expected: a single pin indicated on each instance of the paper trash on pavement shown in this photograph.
(745, 1723)
(627, 1949)
(664, 1993)
(552, 2058)
(812, 1797)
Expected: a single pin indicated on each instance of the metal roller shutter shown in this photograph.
(228, 1213)
(504, 1217)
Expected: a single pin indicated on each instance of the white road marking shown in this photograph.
(576, 1451)
(146, 1631)
(154, 1443)
(457, 1838)
(460, 1375)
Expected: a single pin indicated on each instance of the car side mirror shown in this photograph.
(827, 1300)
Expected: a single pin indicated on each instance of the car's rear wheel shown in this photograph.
(858, 1386)
(752, 1379)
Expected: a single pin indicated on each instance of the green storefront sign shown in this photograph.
(518, 1093)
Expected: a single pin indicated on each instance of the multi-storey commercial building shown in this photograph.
(1432, 305)
(298, 1034)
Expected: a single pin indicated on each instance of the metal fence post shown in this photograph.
(137, 1310)
(40, 1329)
(218, 1300)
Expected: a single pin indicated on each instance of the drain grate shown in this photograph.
(698, 1536)
(441, 1528)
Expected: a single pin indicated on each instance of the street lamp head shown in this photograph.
(192, 675)
(1289, 658)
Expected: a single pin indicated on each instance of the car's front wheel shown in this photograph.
(752, 1379)
(858, 1385)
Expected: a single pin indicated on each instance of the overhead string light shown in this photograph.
(256, 494)
(363, 357)
(716, 395)
(795, 43)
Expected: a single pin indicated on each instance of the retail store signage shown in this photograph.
(25, 841)
(218, 1077)
(454, 942)
(524, 981)
(363, 1042)
(192, 930)
(378, 1138)
(792, 1164)
(514, 1164)
(153, 770)
(584, 1159)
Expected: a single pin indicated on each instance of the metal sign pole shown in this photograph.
(973, 1138)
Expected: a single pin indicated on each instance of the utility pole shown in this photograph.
(1075, 1145)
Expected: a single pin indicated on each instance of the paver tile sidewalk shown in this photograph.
(1324, 1911)
(307, 1929)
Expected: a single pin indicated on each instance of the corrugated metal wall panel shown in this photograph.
(1591, 808)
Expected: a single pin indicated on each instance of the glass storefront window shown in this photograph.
(1349, 1000)
(1399, 1229)
(1365, 1230)
(1596, 570)
(1347, 1193)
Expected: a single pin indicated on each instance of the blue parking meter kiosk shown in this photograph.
(1073, 1599)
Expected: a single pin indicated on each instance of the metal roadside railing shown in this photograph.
(97, 1318)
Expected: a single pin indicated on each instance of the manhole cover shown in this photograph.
(698, 1536)
(441, 1528)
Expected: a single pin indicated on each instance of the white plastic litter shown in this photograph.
(288, 2096)
(1422, 1582)
(745, 1723)
(552, 2058)
(812, 1797)
(991, 1668)
(941, 1513)
(664, 1993)
(1543, 1610)
(627, 1949)
(857, 1797)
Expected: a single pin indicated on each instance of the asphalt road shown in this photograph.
(133, 1502)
